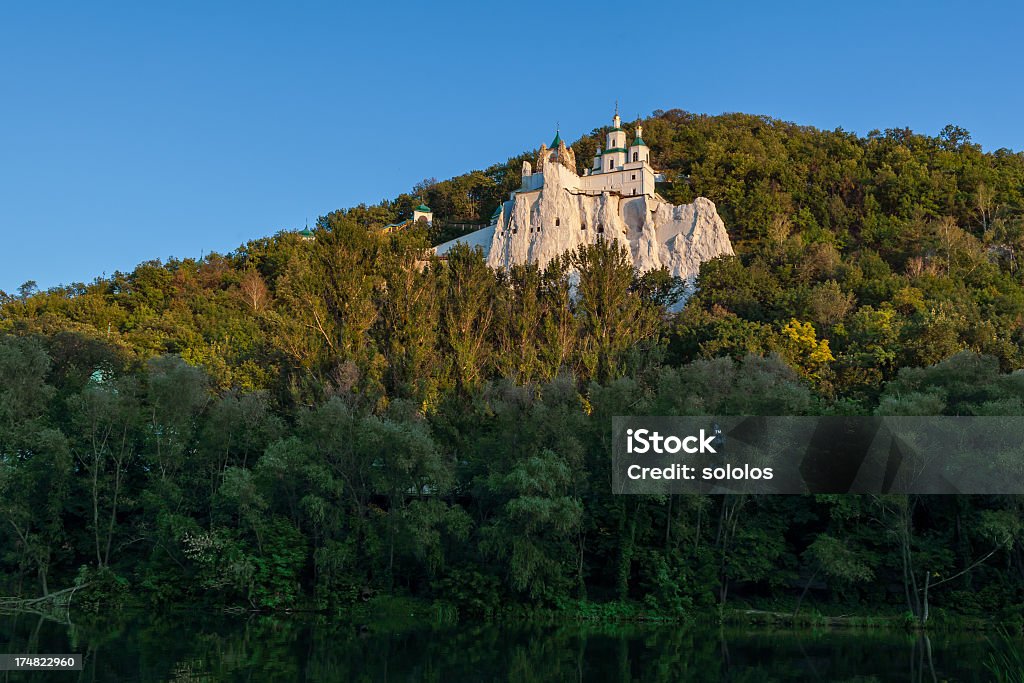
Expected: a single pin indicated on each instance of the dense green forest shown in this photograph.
(315, 423)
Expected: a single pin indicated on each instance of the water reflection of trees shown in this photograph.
(215, 648)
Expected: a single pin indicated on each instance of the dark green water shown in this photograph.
(213, 648)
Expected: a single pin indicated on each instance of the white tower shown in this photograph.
(615, 148)
(639, 151)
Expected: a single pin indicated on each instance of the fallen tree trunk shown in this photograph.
(58, 600)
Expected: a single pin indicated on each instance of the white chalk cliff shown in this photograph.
(557, 210)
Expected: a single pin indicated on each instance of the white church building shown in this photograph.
(622, 168)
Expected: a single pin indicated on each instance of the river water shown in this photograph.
(197, 647)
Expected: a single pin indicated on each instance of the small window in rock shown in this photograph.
(558, 222)
(600, 228)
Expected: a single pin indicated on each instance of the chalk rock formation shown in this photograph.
(536, 226)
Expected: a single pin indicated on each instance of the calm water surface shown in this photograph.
(212, 648)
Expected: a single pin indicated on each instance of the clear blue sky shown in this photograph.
(140, 130)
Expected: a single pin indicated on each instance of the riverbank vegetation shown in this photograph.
(311, 424)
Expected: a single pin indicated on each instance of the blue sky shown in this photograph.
(134, 131)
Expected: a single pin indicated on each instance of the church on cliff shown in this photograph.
(621, 168)
(556, 209)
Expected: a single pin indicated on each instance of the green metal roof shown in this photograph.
(554, 143)
(614, 149)
(615, 129)
(424, 208)
(306, 233)
(639, 141)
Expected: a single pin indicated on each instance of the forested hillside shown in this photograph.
(312, 423)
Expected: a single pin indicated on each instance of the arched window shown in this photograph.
(611, 165)
(634, 156)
